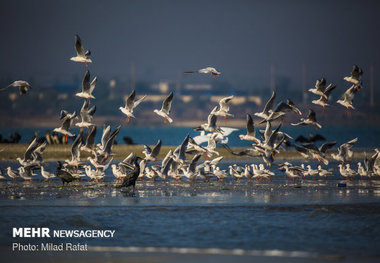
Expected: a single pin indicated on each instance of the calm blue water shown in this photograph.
(368, 136)
(311, 216)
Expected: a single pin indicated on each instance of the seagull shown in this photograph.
(86, 115)
(46, 174)
(323, 172)
(309, 150)
(165, 109)
(75, 153)
(361, 171)
(321, 88)
(310, 120)
(87, 87)
(293, 172)
(281, 109)
(130, 104)
(268, 108)
(210, 126)
(29, 157)
(12, 174)
(250, 136)
(211, 146)
(344, 151)
(151, 155)
(322, 100)
(208, 70)
(22, 85)
(81, 56)
(190, 172)
(355, 75)
(312, 172)
(26, 172)
(89, 145)
(224, 108)
(67, 120)
(348, 98)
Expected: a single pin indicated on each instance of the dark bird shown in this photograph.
(310, 138)
(130, 179)
(65, 176)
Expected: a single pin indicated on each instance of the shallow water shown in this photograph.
(315, 216)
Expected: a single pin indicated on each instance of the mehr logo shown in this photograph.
(31, 232)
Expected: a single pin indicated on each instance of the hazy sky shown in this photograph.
(163, 37)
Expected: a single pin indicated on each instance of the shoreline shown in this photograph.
(10, 152)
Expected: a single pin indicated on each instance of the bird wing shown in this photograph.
(86, 86)
(90, 140)
(182, 150)
(29, 151)
(193, 163)
(75, 147)
(93, 84)
(223, 103)
(129, 103)
(84, 111)
(156, 149)
(167, 103)
(269, 104)
(324, 147)
(78, 46)
(105, 136)
(311, 115)
(137, 102)
(250, 126)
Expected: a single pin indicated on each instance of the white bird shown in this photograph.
(344, 151)
(22, 86)
(355, 75)
(347, 173)
(87, 87)
(130, 104)
(268, 108)
(12, 174)
(311, 119)
(208, 70)
(46, 174)
(224, 108)
(220, 174)
(251, 135)
(81, 56)
(67, 120)
(322, 100)
(86, 115)
(312, 172)
(151, 155)
(361, 171)
(165, 108)
(347, 98)
(323, 172)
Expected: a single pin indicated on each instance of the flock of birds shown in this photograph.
(184, 161)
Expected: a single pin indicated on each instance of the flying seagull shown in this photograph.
(81, 56)
(22, 85)
(87, 87)
(130, 104)
(165, 108)
(208, 70)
